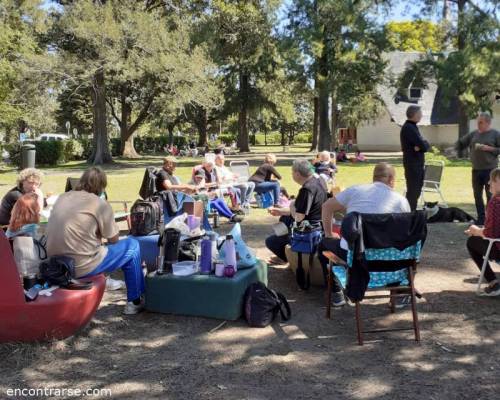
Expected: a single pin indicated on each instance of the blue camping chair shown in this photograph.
(398, 281)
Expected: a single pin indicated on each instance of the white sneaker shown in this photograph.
(131, 308)
(114, 284)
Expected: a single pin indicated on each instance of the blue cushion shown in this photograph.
(381, 279)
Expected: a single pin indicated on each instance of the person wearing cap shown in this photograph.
(166, 180)
(205, 179)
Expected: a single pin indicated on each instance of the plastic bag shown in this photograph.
(179, 224)
(245, 256)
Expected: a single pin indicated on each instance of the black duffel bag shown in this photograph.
(261, 305)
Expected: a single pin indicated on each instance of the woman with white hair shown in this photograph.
(29, 180)
(263, 178)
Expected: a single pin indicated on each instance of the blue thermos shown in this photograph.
(206, 256)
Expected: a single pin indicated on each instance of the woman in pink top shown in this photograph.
(477, 245)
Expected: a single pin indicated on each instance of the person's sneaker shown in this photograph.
(402, 302)
(491, 291)
(114, 284)
(338, 299)
(236, 218)
(132, 309)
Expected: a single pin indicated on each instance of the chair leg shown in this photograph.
(483, 268)
(359, 326)
(416, 327)
(329, 286)
(392, 303)
(442, 197)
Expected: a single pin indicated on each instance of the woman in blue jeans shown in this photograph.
(263, 178)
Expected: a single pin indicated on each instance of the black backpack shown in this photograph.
(60, 271)
(148, 185)
(146, 216)
(262, 304)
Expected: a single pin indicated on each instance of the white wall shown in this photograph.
(383, 134)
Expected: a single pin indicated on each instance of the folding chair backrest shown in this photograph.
(242, 168)
(390, 254)
(71, 184)
(433, 172)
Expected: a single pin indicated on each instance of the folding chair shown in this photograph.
(241, 168)
(432, 180)
(123, 215)
(485, 262)
(390, 270)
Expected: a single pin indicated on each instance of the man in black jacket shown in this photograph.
(414, 147)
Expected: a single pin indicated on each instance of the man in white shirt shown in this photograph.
(226, 177)
(378, 197)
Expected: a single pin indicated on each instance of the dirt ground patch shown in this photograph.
(152, 356)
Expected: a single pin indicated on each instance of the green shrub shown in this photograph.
(50, 152)
(73, 150)
(435, 155)
(303, 137)
(14, 150)
(272, 138)
(226, 138)
(87, 146)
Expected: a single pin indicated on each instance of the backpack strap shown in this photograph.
(283, 306)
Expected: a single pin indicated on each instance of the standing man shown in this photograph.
(414, 147)
(484, 144)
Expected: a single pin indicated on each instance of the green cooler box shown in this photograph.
(202, 295)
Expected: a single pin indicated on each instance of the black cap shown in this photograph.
(229, 237)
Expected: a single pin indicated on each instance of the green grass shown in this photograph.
(125, 176)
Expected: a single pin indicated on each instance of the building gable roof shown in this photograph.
(436, 109)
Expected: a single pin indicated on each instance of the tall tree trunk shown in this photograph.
(202, 127)
(243, 144)
(324, 126)
(127, 148)
(463, 117)
(334, 122)
(315, 132)
(170, 128)
(100, 153)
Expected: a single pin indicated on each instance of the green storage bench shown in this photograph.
(202, 295)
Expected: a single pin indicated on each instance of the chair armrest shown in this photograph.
(492, 240)
(123, 202)
(332, 257)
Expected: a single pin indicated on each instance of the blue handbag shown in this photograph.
(305, 242)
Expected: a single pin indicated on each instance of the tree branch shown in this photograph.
(142, 115)
(113, 112)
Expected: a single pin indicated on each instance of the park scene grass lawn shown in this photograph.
(167, 356)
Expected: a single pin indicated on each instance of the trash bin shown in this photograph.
(28, 154)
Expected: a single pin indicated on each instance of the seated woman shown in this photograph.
(477, 245)
(307, 207)
(263, 178)
(213, 182)
(199, 179)
(77, 226)
(25, 217)
(29, 180)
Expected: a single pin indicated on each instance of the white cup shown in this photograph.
(219, 269)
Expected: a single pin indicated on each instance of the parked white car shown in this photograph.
(44, 137)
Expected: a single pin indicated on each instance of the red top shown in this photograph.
(492, 223)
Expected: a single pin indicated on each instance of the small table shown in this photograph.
(202, 295)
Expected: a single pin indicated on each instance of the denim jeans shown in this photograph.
(246, 190)
(269, 186)
(480, 179)
(124, 254)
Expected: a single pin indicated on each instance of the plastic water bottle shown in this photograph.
(230, 252)
(213, 241)
(206, 256)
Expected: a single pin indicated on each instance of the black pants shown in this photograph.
(414, 175)
(277, 245)
(332, 245)
(477, 247)
(480, 179)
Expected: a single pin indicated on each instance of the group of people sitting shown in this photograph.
(313, 204)
(81, 226)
